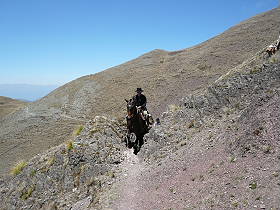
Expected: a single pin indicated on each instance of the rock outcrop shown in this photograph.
(68, 175)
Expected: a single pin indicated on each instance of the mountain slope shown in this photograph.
(8, 105)
(165, 76)
(218, 150)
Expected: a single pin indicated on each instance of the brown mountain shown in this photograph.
(165, 76)
(9, 105)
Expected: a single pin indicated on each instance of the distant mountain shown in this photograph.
(26, 92)
(8, 105)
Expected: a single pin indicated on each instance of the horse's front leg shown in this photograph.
(128, 142)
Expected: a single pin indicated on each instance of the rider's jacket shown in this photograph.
(140, 100)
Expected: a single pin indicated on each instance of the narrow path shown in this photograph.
(125, 192)
(129, 184)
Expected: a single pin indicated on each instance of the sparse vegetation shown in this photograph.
(267, 149)
(79, 130)
(254, 70)
(274, 60)
(95, 130)
(111, 174)
(33, 173)
(174, 108)
(232, 159)
(253, 185)
(235, 203)
(17, 169)
(191, 124)
(275, 174)
(27, 193)
(258, 198)
(70, 145)
(50, 161)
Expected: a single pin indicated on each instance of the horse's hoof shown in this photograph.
(135, 152)
(129, 145)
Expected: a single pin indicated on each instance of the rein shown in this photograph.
(130, 115)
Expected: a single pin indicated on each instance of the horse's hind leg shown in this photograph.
(136, 147)
(130, 137)
(141, 141)
(138, 144)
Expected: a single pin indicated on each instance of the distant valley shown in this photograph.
(26, 92)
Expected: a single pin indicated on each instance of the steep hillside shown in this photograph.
(218, 150)
(165, 76)
(8, 105)
(69, 174)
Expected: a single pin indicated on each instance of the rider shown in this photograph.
(141, 102)
(140, 99)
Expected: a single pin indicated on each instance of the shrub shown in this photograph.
(33, 173)
(70, 145)
(17, 169)
(253, 185)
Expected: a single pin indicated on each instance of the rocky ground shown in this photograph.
(218, 149)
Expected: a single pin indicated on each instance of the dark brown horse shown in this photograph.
(136, 127)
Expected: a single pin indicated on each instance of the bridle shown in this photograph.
(130, 109)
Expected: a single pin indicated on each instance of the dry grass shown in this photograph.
(27, 193)
(17, 169)
(69, 145)
(174, 108)
(79, 130)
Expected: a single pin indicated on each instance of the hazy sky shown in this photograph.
(55, 41)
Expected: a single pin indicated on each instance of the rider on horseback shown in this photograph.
(141, 102)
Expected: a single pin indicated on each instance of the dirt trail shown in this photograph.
(129, 190)
(125, 192)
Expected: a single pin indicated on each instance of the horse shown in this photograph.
(136, 127)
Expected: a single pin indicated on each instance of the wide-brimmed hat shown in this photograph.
(139, 90)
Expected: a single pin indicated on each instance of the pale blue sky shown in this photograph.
(55, 41)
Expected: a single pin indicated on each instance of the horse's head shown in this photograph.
(131, 107)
